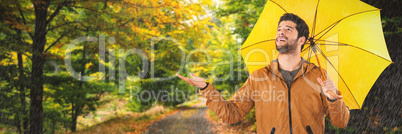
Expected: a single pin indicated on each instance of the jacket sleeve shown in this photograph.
(336, 111)
(233, 110)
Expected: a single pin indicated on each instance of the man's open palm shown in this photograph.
(195, 81)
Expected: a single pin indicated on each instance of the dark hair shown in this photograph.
(301, 26)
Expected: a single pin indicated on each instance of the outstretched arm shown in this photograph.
(229, 111)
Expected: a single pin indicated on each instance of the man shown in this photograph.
(288, 94)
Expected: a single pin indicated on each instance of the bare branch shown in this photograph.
(49, 29)
(142, 20)
(56, 12)
(23, 17)
(141, 6)
(27, 55)
(85, 8)
(54, 43)
(126, 22)
(10, 35)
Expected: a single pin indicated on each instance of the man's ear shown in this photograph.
(302, 40)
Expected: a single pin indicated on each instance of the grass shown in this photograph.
(123, 121)
(130, 123)
(115, 117)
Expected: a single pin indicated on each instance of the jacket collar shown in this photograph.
(274, 65)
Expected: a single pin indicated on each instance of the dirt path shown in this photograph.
(188, 121)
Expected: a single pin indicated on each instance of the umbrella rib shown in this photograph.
(306, 48)
(309, 55)
(345, 18)
(279, 5)
(338, 75)
(256, 44)
(315, 18)
(327, 31)
(344, 44)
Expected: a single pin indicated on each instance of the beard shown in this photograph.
(289, 47)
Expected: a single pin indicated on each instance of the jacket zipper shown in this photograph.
(290, 111)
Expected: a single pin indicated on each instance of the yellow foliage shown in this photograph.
(10, 61)
(207, 2)
(155, 18)
(117, 8)
(89, 65)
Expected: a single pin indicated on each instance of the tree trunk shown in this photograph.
(23, 83)
(53, 126)
(18, 122)
(22, 93)
(38, 60)
(76, 108)
(74, 119)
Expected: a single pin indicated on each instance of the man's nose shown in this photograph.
(280, 32)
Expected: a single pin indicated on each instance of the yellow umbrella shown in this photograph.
(347, 35)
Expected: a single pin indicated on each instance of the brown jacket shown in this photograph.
(267, 91)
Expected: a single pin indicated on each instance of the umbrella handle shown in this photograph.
(318, 61)
(337, 96)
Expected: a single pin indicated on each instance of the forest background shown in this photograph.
(63, 60)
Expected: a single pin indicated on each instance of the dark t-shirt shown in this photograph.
(288, 76)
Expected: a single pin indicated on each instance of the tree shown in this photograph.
(38, 31)
(22, 17)
(170, 26)
(12, 31)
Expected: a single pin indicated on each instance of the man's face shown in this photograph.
(286, 37)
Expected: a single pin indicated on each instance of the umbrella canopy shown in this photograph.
(347, 34)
